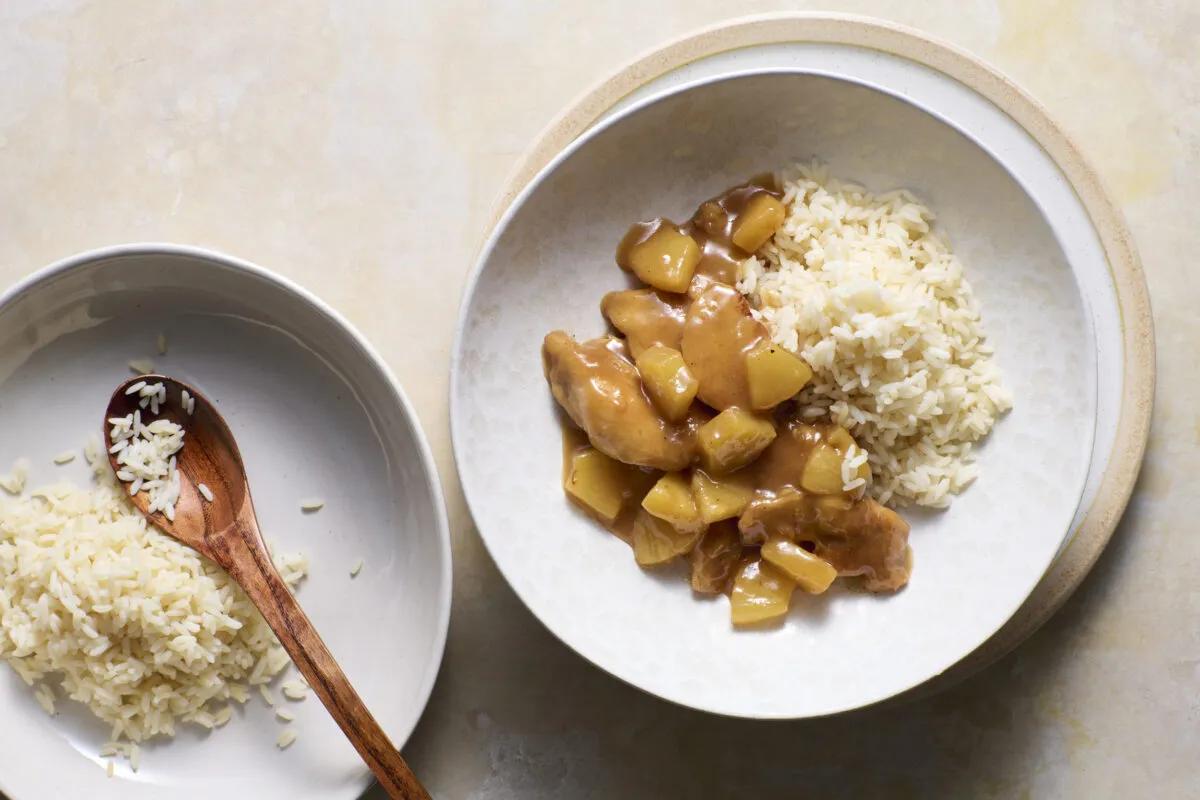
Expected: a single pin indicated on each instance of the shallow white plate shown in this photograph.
(551, 258)
(316, 413)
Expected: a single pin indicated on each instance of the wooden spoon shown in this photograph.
(226, 531)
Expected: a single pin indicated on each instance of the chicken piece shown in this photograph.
(601, 391)
(715, 558)
(855, 534)
(646, 317)
(718, 334)
(784, 513)
(866, 539)
(857, 537)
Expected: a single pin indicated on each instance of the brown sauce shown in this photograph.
(794, 492)
(717, 336)
(601, 391)
(646, 317)
(712, 227)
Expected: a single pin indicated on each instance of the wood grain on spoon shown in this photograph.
(226, 531)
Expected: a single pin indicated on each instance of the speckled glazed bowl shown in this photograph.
(550, 259)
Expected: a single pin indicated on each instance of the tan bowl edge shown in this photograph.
(1137, 398)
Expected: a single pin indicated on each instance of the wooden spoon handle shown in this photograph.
(252, 568)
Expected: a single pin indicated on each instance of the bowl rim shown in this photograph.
(501, 226)
(1124, 458)
(98, 255)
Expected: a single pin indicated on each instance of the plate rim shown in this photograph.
(469, 293)
(1139, 369)
(98, 255)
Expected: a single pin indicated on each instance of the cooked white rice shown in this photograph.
(875, 301)
(294, 690)
(141, 629)
(146, 456)
(14, 481)
(311, 504)
(286, 737)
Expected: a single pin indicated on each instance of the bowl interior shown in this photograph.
(551, 259)
(314, 415)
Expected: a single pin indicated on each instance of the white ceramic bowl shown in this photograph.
(315, 412)
(551, 258)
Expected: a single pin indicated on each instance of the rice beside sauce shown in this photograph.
(862, 288)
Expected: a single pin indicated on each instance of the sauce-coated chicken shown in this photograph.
(601, 391)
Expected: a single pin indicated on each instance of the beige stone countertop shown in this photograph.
(358, 147)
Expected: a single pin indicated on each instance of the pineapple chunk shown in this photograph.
(671, 500)
(758, 222)
(656, 541)
(812, 574)
(760, 592)
(668, 381)
(715, 558)
(823, 471)
(660, 254)
(602, 485)
(732, 439)
(841, 439)
(721, 498)
(774, 375)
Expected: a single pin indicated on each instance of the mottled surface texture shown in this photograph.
(975, 562)
(357, 148)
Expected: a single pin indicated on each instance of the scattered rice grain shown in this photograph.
(14, 481)
(294, 690)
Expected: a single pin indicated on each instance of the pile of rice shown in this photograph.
(861, 287)
(144, 631)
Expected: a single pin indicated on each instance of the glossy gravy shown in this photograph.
(793, 488)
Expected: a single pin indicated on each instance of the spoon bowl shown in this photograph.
(226, 531)
(210, 457)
